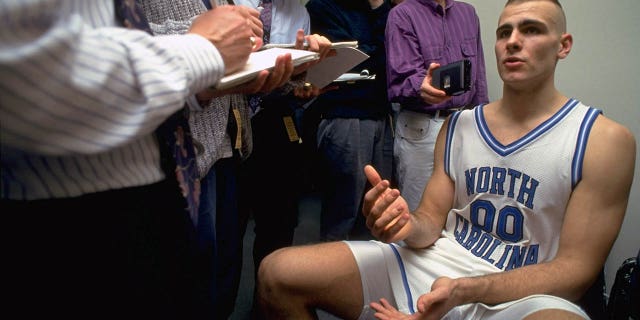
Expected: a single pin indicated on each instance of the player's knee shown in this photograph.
(272, 272)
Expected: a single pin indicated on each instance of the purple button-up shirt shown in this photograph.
(418, 33)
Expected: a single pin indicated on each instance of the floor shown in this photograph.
(308, 231)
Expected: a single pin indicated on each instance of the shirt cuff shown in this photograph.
(203, 63)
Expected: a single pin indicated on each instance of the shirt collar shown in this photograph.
(435, 6)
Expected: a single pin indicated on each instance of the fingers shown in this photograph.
(386, 311)
(247, 12)
(319, 44)
(299, 39)
(377, 202)
(383, 309)
(428, 82)
(253, 19)
(315, 43)
(438, 300)
(229, 29)
(372, 175)
(388, 226)
(428, 92)
(268, 80)
(381, 213)
(379, 187)
(256, 43)
(280, 74)
(256, 27)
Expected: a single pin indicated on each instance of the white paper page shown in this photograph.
(334, 45)
(264, 60)
(329, 69)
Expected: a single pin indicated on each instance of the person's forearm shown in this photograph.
(546, 278)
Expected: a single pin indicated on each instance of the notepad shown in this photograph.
(331, 68)
(334, 45)
(263, 60)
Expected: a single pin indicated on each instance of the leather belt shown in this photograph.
(441, 112)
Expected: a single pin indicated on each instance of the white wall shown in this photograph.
(603, 70)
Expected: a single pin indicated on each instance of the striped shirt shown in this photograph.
(80, 97)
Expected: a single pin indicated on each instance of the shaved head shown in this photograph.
(560, 18)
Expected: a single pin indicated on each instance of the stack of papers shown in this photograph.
(320, 75)
(335, 45)
(329, 69)
(263, 60)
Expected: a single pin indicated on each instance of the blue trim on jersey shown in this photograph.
(405, 282)
(453, 119)
(503, 150)
(581, 144)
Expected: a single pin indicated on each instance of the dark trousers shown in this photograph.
(275, 164)
(122, 253)
(228, 237)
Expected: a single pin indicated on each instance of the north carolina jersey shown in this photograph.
(510, 200)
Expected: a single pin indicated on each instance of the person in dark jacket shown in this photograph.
(354, 126)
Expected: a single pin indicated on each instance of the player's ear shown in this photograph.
(565, 45)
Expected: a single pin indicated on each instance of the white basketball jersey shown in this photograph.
(510, 200)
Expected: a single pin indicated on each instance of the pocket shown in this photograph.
(412, 126)
(469, 48)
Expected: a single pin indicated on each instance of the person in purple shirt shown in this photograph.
(422, 35)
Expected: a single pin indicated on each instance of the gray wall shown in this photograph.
(603, 70)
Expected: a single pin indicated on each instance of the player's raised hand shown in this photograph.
(386, 212)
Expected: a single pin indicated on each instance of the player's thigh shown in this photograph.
(322, 272)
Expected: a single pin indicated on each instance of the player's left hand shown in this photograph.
(439, 301)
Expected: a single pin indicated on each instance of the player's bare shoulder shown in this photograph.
(611, 147)
(608, 131)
